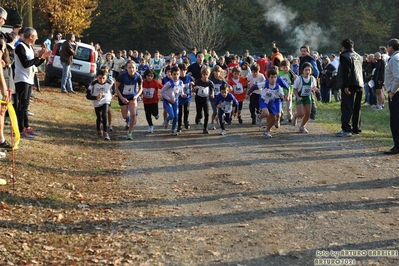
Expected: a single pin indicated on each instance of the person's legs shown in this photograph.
(205, 106)
(147, 110)
(104, 111)
(175, 109)
(305, 118)
(221, 122)
(394, 118)
(180, 117)
(186, 114)
(198, 108)
(98, 118)
(356, 112)
(346, 110)
(133, 107)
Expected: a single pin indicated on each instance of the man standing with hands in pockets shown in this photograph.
(392, 87)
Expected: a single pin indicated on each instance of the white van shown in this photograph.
(83, 68)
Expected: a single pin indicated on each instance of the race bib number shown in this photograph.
(148, 93)
(238, 89)
(267, 95)
(129, 89)
(157, 66)
(306, 91)
(227, 107)
(203, 91)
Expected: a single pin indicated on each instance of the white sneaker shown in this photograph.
(212, 126)
(303, 130)
(165, 124)
(157, 116)
(175, 133)
(150, 129)
(223, 132)
(267, 134)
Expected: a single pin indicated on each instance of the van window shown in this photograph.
(82, 53)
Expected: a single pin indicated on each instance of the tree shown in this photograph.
(197, 23)
(23, 9)
(68, 15)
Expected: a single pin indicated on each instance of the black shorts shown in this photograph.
(122, 103)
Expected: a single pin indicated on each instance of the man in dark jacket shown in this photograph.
(350, 80)
(66, 57)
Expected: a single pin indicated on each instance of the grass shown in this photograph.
(374, 124)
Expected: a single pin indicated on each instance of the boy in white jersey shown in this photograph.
(100, 93)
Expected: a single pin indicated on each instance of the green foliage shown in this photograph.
(144, 24)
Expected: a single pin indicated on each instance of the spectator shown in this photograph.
(392, 87)
(66, 58)
(350, 80)
(248, 58)
(25, 61)
(378, 80)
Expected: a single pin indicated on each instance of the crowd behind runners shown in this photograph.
(220, 84)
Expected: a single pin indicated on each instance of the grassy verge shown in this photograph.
(374, 124)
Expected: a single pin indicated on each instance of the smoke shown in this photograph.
(310, 34)
(278, 15)
(282, 17)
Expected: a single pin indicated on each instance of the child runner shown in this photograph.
(129, 88)
(270, 101)
(254, 78)
(303, 86)
(143, 67)
(234, 63)
(111, 79)
(184, 102)
(100, 93)
(171, 92)
(217, 77)
(288, 76)
(239, 85)
(204, 89)
(165, 79)
(156, 64)
(151, 87)
(224, 101)
(245, 70)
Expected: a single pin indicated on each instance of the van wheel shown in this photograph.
(47, 80)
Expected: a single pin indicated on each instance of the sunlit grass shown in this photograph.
(374, 124)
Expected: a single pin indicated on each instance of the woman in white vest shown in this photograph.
(25, 59)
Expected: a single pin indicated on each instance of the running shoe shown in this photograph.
(267, 134)
(129, 136)
(31, 131)
(303, 130)
(106, 136)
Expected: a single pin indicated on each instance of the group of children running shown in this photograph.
(224, 88)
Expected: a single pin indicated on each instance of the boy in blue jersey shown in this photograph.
(225, 101)
(270, 102)
(142, 67)
(171, 92)
(184, 103)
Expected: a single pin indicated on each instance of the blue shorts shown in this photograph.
(274, 106)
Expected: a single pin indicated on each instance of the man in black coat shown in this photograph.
(350, 81)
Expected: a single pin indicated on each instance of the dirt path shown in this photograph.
(241, 199)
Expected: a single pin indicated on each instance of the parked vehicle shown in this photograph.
(83, 68)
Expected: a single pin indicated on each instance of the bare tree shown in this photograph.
(197, 23)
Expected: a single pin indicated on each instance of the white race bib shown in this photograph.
(148, 93)
(203, 91)
(238, 89)
(129, 89)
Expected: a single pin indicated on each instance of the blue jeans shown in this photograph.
(66, 82)
(173, 112)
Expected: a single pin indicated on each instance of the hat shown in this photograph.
(3, 13)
